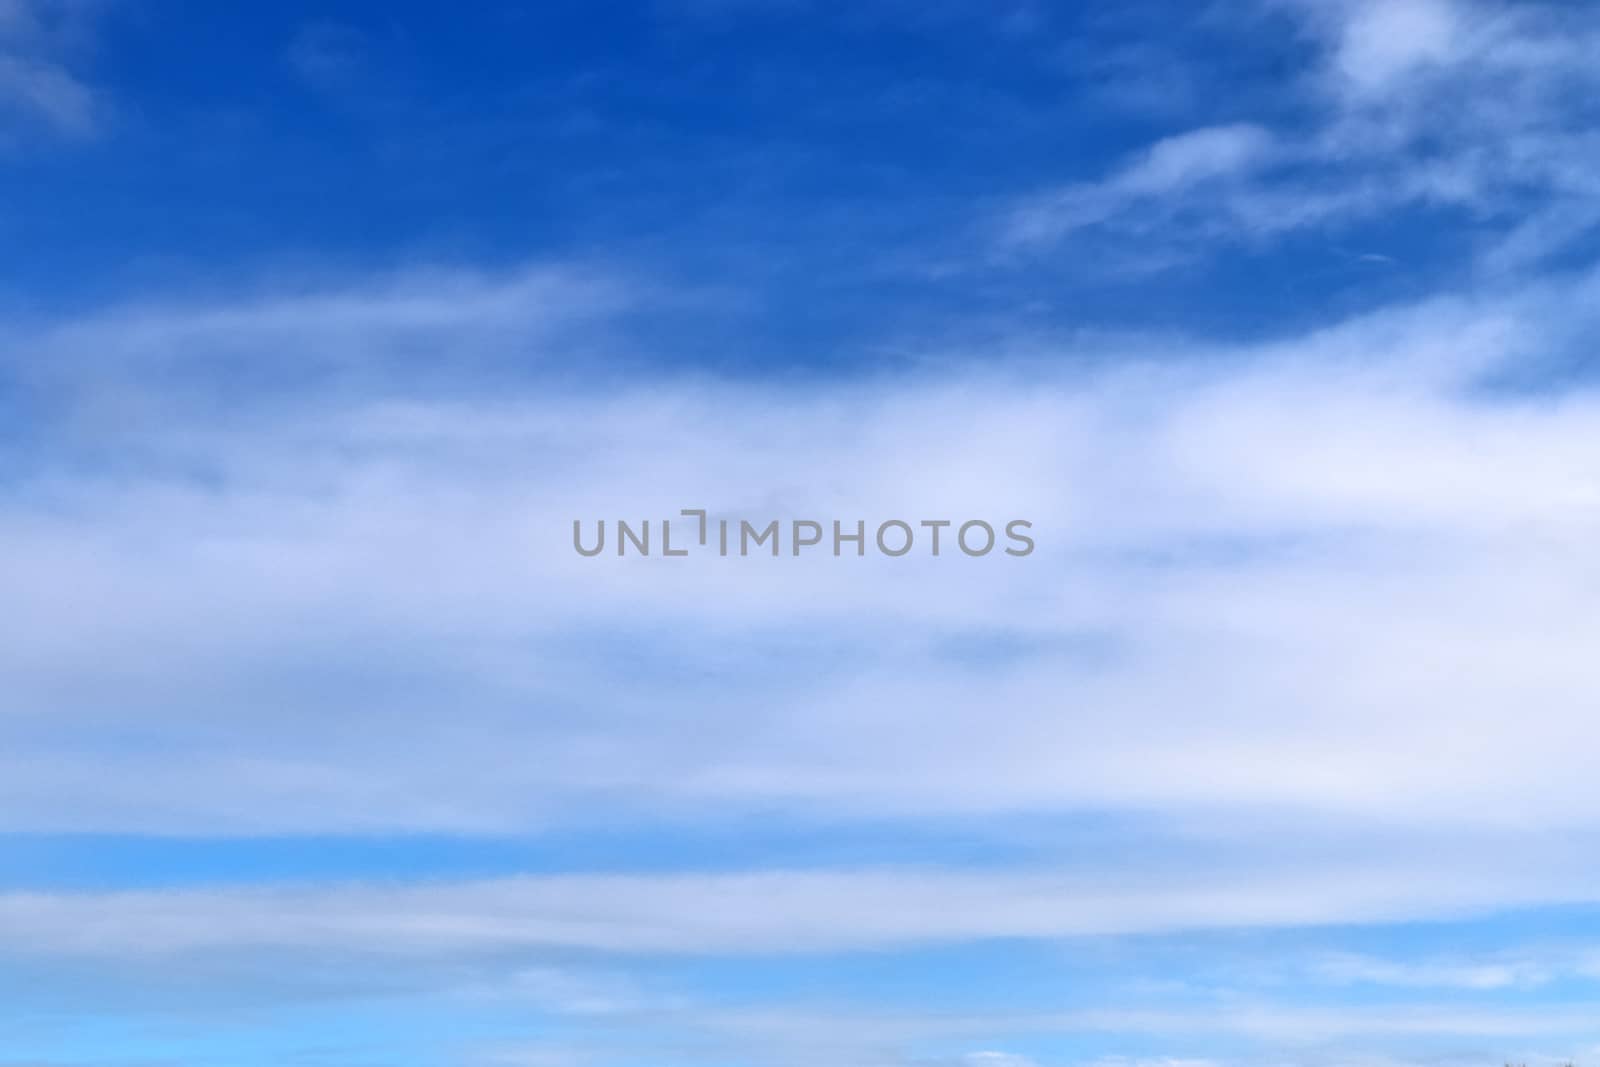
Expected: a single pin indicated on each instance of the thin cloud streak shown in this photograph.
(764, 913)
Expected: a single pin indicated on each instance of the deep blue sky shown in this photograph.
(827, 171)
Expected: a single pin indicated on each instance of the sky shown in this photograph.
(321, 325)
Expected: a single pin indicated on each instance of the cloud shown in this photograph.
(1281, 1034)
(1441, 974)
(584, 963)
(48, 92)
(1313, 614)
(1472, 108)
(792, 911)
(37, 84)
(1171, 167)
(991, 1058)
(1187, 159)
(287, 543)
(1380, 42)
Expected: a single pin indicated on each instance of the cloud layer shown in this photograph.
(292, 590)
(1278, 748)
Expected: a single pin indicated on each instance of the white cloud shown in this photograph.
(1471, 107)
(1172, 167)
(990, 1058)
(780, 912)
(1287, 1035)
(1322, 575)
(1382, 40)
(1187, 159)
(1470, 974)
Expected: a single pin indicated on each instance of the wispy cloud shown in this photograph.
(782, 912)
(1215, 526)
(37, 83)
(1435, 974)
(1169, 170)
(1469, 106)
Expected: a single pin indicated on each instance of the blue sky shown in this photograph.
(320, 324)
